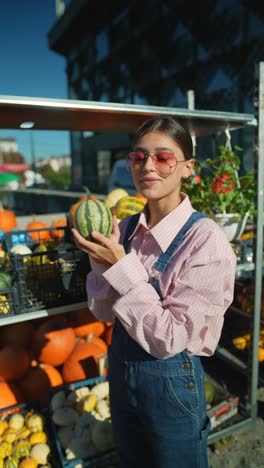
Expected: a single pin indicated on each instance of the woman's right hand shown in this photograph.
(105, 250)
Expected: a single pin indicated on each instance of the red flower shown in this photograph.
(221, 185)
(197, 179)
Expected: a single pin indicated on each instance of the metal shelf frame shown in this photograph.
(57, 114)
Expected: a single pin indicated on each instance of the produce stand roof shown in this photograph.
(59, 114)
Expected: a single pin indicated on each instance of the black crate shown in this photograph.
(33, 406)
(53, 278)
(106, 459)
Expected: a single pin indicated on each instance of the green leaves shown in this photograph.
(218, 188)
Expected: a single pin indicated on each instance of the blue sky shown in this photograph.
(29, 68)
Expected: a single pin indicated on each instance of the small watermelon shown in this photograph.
(93, 215)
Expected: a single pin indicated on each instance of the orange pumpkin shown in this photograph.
(84, 323)
(74, 207)
(14, 363)
(82, 363)
(107, 335)
(8, 219)
(58, 233)
(53, 342)
(39, 236)
(98, 342)
(10, 394)
(38, 381)
(19, 333)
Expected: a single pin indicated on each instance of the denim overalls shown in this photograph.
(158, 405)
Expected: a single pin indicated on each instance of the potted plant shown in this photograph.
(217, 189)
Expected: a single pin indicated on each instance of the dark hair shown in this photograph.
(171, 128)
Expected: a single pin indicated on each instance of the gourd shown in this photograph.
(3, 426)
(14, 363)
(28, 462)
(34, 421)
(114, 196)
(102, 435)
(8, 219)
(65, 416)
(40, 453)
(210, 391)
(58, 400)
(39, 437)
(21, 249)
(101, 390)
(4, 304)
(5, 449)
(129, 205)
(89, 403)
(11, 462)
(21, 449)
(9, 436)
(16, 421)
(103, 409)
(93, 215)
(53, 342)
(5, 280)
(65, 435)
(74, 207)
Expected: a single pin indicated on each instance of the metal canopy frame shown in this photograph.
(57, 114)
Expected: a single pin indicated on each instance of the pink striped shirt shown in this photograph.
(197, 287)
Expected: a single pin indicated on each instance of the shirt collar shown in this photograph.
(165, 231)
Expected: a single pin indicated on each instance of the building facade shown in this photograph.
(153, 52)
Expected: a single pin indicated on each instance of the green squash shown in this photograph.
(5, 280)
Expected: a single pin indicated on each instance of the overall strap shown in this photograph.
(164, 259)
(129, 231)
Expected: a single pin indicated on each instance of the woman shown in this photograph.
(167, 293)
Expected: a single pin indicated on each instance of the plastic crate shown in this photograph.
(33, 406)
(49, 279)
(106, 459)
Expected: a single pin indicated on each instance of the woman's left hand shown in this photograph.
(105, 250)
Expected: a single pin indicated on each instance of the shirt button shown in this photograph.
(190, 386)
(187, 365)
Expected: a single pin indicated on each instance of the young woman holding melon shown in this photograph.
(166, 278)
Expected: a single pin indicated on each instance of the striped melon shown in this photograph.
(129, 205)
(93, 215)
(113, 197)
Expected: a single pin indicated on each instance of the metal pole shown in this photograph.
(259, 244)
(191, 106)
(33, 155)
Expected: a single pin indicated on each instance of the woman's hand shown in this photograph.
(105, 250)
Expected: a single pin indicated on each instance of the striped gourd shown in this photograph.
(128, 206)
(93, 215)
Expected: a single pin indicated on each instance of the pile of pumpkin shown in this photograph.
(23, 440)
(45, 353)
